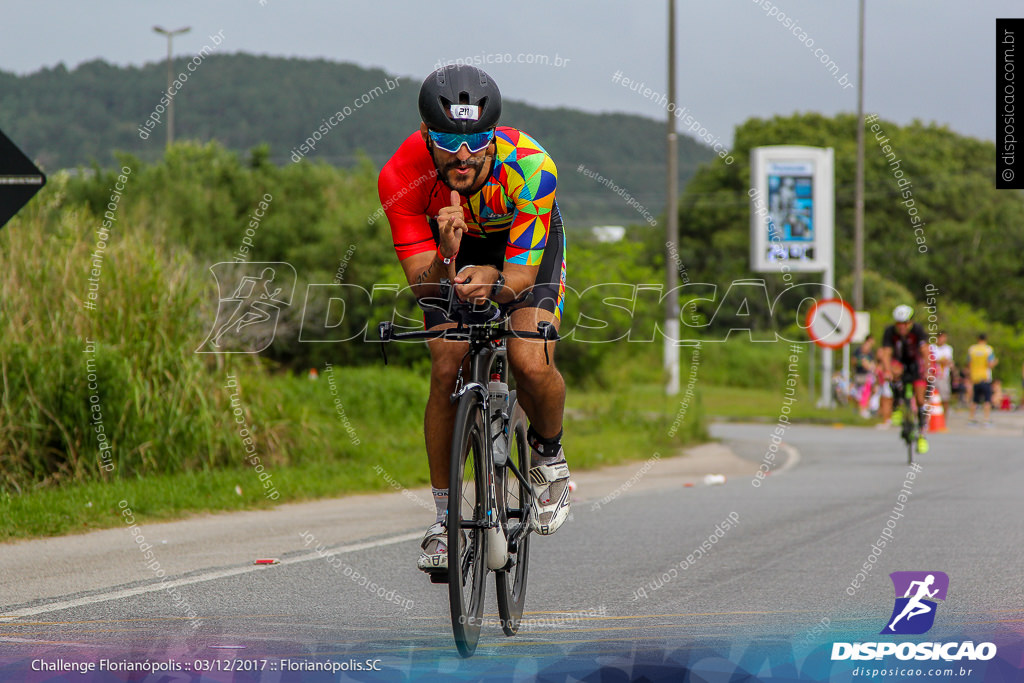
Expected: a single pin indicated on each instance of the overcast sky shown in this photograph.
(927, 59)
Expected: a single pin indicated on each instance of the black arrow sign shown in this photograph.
(19, 179)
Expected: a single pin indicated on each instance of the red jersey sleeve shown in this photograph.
(404, 186)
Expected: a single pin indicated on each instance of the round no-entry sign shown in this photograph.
(830, 323)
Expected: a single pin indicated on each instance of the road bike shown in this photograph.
(490, 501)
(903, 399)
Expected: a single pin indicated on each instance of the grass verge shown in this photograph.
(328, 438)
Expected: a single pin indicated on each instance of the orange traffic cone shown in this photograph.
(936, 415)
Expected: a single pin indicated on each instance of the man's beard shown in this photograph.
(468, 181)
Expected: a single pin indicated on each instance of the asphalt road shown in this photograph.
(624, 585)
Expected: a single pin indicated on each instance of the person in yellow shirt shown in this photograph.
(981, 358)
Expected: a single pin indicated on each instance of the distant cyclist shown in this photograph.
(464, 193)
(905, 350)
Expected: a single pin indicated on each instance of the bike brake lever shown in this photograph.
(384, 330)
(548, 331)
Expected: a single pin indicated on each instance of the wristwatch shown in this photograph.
(499, 284)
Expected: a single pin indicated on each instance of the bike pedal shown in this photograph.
(438, 577)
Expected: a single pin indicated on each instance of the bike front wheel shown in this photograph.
(910, 453)
(910, 428)
(514, 502)
(467, 559)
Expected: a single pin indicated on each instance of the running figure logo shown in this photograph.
(914, 613)
(247, 318)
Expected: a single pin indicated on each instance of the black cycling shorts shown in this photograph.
(912, 371)
(489, 250)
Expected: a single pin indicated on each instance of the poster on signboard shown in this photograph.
(791, 208)
(791, 202)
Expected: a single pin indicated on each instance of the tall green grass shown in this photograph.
(323, 454)
(97, 404)
(155, 401)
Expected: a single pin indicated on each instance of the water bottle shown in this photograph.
(498, 391)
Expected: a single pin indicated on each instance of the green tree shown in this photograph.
(972, 233)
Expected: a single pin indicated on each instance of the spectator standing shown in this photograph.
(981, 358)
(864, 373)
(1021, 403)
(942, 357)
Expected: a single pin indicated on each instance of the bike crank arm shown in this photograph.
(525, 510)
(519, 475)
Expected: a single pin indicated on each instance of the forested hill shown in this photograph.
(65, 118)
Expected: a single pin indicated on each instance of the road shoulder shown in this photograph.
(49, 569)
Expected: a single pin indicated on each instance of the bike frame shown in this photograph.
(485, 353)
(486, 348)
(903, 392)
(489, 520)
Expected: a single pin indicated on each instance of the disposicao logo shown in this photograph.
(913, 614)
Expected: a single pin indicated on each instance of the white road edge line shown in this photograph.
(198, 578)
(52, 642)
(792, 458)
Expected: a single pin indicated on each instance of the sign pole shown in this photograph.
(826, 356)
(830, 323)
(792, 222)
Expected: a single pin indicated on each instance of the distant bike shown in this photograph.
(903, 395)
(491, 499)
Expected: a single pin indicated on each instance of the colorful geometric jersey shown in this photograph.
(517, 197)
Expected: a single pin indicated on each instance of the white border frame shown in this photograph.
(823, 160)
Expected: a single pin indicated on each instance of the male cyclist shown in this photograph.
(473, 201)
(905, 348)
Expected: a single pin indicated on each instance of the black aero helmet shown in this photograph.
(460, 85)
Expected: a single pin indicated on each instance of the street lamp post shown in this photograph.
(170, 78)
(858, 191)
(858, 200)
(671, 348)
